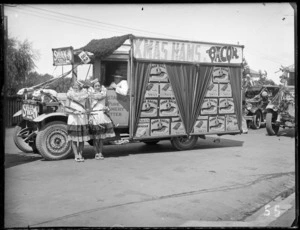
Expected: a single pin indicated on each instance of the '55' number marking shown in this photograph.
(276, 210)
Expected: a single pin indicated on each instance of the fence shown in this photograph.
(12, 105)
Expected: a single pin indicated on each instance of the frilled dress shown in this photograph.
(102, 125)
(77, 123)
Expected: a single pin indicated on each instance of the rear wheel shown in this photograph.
(272, 129)
(256, 120)
(20, 133)
(184, 142)
(52, 141)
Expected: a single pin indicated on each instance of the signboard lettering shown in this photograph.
(155, 49)
(63, 56)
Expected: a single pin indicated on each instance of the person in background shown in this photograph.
(120, 85)
(101, 126)
(245, 85)
(77, 125)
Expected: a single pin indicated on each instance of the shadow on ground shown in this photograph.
(286, 132)
(160, 148)
(12, 160)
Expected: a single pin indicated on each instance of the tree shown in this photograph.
(20, 62)
(245, 68)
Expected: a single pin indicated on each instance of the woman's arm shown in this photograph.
(99, 95)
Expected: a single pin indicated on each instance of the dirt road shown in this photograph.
(224, 178)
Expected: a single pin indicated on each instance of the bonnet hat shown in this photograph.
(78, 83)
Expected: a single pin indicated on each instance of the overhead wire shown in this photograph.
(84, 22)
(56, 19)
(103, 23)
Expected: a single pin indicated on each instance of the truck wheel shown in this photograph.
(19, 135)
(271, 128)
(52, 141)
(256, 120)
(33, 146)
(152, 142)
(184, 143)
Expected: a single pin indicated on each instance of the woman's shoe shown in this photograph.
(99, 156)
(77, 159)
(81, 158)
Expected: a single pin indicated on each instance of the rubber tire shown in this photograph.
(256, 124)
(177, 142)
(19, 142)
(43, 138)
(153, 142)
(271, 129)
(34, 148)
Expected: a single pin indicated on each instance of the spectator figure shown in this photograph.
(77, 119)
(120, 85)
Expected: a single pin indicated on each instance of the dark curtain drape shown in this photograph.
(236, 86)
(189, 83)
(140, 80)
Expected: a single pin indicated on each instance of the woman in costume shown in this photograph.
(101, 126)
(78, 131)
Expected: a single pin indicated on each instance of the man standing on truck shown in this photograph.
(120, 85)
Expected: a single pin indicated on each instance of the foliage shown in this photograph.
(245, 68)
(106, 46)
(62, 85)
(20, 61)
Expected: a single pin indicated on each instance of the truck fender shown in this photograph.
(18, 113)
(253, 111)
(271, 107)
(44, 116)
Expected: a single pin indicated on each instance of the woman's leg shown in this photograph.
(100, 147)
(80, 149)
(74, 148)
(95, 145)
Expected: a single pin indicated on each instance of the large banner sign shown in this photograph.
(63, 56)
(186, 51)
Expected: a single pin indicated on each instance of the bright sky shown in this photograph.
(265, 29)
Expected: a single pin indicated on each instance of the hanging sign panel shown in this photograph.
(154, 49)
(63, 56)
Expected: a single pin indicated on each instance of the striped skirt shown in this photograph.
(101, 126)
(78, 129)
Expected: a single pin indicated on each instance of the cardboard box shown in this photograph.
(165, 90)
(158, 73)
(231, 123)
(143, 128)
(225, 90)
(216, 124)
(177, 127)
(212, 90)
(149, 108)
(168, 107)
(160, 127)
(209, 106)
(201, 126)
(221, 75)
(226, 105)
(152, 90)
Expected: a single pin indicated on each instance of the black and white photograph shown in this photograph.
(149, 115)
